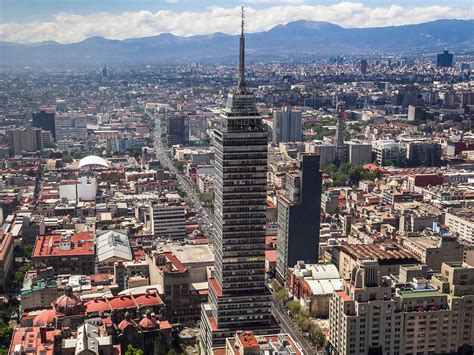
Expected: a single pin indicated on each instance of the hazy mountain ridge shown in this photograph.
(294, 39)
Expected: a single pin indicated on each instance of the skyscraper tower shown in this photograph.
(340, 133)
(238, 297)
(287, 125)
(45, 119)
(363, 66)
(299, 215)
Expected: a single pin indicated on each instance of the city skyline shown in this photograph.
(69, 22)
(302, 190)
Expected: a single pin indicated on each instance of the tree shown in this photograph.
(67, 159)
(317, 338)
(5, 334)
(23, 251)
(282, 295)
(20, 274)
(78, 154)
(294, 307)
(133, 351)
(161, 345)
(179, 164)
(55, 155)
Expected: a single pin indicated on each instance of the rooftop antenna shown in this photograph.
(241, 80)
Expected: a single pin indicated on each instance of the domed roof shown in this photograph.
(68, 303)
(148, 322)
(47, 317)
(97, 305)
(93, 160)
(122, 302)
(148, 299)
(126, 322)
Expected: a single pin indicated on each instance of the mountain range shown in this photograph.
(293, 40)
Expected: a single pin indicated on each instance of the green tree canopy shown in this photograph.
(133, 351)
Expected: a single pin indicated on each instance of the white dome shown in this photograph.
(93, 160)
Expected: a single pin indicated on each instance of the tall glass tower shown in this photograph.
(238, 297)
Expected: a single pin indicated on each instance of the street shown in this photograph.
(203, 218)
(287, 326)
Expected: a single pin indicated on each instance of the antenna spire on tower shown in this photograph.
(241, 80)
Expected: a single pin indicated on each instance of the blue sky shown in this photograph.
(73, 20)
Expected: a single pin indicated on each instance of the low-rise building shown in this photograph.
(246, 343)
(313, 285)
(389, 257)
(461, 223)
(66, 254)
(434, 250)
(112, 246)
(182, 299)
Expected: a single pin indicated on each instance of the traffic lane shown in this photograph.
(290, 329)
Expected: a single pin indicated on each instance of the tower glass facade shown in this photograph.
(299, 215)
(238, 297)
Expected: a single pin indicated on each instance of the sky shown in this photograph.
(68, 21)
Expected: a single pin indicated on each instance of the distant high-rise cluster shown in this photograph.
(177, 129)
(363, 66)
(45, 120)
(287, 125)
(444, 60)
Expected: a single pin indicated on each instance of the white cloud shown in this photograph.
(68, 27)
(274, 2)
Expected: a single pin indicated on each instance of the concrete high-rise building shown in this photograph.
(177, 129)
(326, 151)
(423, 153)
(104, 72)
(71, 126)
(340, 133)
(45, 120)
(363, 66)
(299, 214)
(416, 113)
(238, 297)
(422, 317)
(287, 125)
(359, 153)
(363, 317)
(24, 139)
(169, 221)
(445, 59)
(389, 152)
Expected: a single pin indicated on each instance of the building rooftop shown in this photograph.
(113, 245)
(93, 160)
(5, 242)
(384, 253)
(58, 245)
(189, 254)
(421, 293)
(32, 340)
